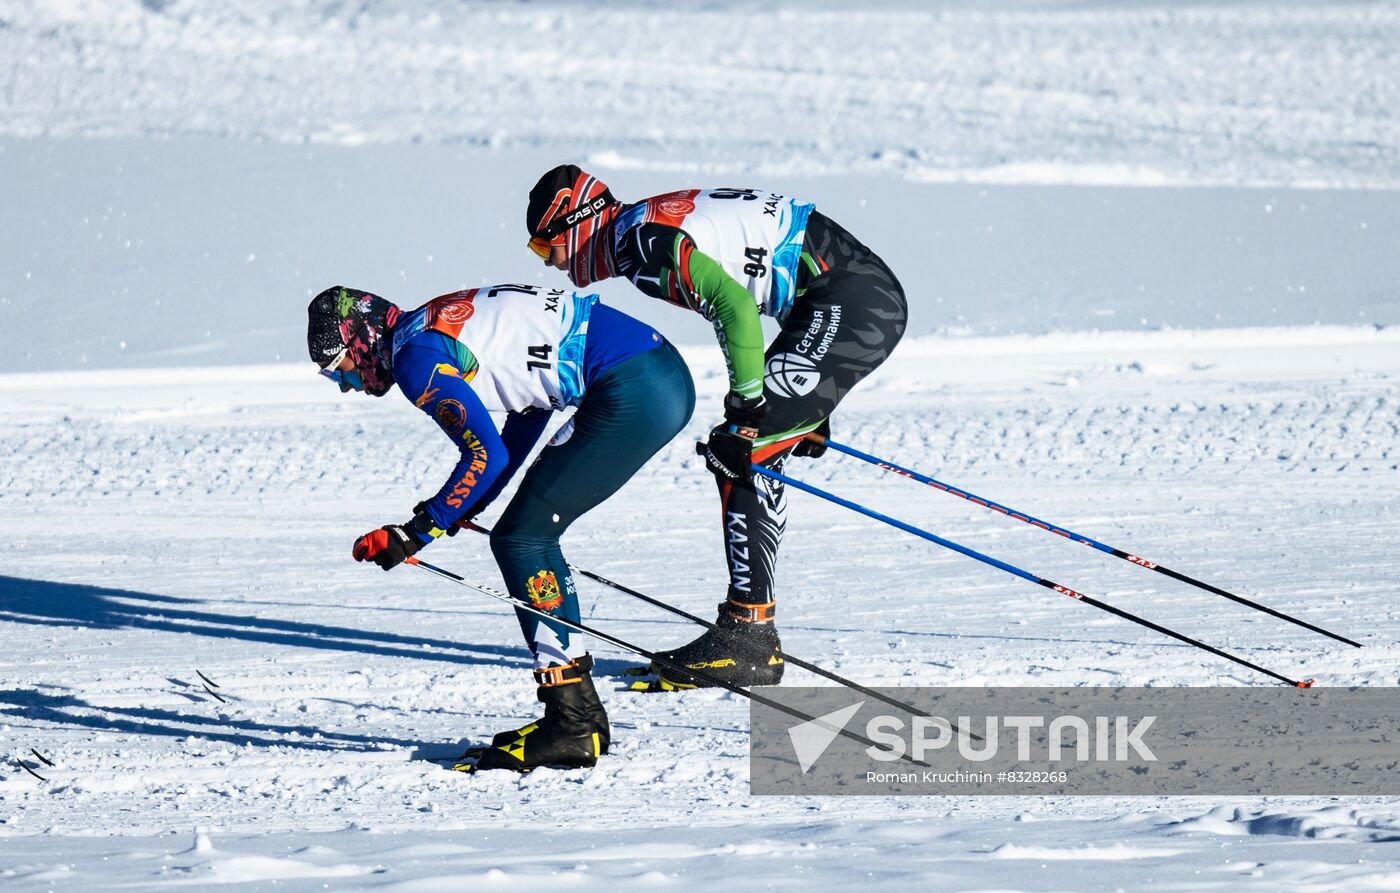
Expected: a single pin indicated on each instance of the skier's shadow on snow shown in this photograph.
(49, 704)
(44, 603)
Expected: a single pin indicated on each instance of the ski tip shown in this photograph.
(467, 761)
(659, 684)
(1306, 683)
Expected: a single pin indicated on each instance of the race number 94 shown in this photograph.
(755, 267)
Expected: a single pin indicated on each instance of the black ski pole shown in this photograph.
(1026, 575)
(1069, 534)
(795, 661)
(652, 656)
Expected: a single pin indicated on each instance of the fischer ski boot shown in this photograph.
(742, 650)
(592, 704)
(573, 732)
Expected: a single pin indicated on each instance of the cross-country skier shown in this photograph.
(525, 350)
(731, 255)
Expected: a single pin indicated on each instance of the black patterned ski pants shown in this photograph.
(843, 325)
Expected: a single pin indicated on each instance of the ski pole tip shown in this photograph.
(1306, 683)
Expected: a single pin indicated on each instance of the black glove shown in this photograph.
(729, 449)
(462, 523)
(811, 448)
(387, 547)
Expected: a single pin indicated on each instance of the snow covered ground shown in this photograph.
(163, 525)
(1153, 257)
(1008, 160)
(1020, 91)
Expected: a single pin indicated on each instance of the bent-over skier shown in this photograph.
(524, 350)
(731, 255)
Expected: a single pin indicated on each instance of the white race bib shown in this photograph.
(753, 234)
(528, 341)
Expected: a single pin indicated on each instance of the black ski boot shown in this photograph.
(572, 733)
(742, 651)
(592, 704)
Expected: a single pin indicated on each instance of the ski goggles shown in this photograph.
(553, 234)
(348, 380)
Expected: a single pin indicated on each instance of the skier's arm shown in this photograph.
(520, 433)
(483, 456)
(663, 262)
(730, 307)
(440, 389)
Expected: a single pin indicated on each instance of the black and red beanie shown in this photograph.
(564, 197)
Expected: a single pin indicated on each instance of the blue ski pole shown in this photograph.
(1069, 534)
(1024, 575)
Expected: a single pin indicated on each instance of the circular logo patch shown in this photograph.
(675, 207)
(456, 311)
(451, 416)
(791, 375)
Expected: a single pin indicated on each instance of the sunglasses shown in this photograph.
(541, 247)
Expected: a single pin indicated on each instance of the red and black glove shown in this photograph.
(387, 547)
(729, 451)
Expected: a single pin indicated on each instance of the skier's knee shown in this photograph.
(510, 542)
(505, 543)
